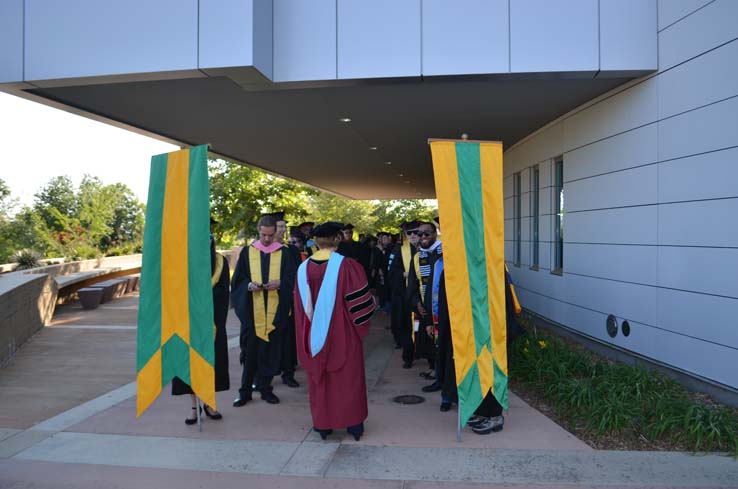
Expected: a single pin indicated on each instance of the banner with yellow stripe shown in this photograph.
(468, 179)
(175, 314)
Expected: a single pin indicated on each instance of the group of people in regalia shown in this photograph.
(309, 302)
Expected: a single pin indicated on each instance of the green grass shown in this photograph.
(613, 399)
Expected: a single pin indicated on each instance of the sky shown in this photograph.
(40, 142)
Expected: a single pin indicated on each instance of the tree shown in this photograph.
(391, 213)
(240, 195)
(58, 194)
(326, 207)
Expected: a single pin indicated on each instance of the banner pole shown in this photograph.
(199, 416)
(458, 424)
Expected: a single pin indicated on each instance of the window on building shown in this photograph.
(516, 217)
(534, 217)
(558, 238)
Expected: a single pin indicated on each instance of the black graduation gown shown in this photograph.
(289, 345)
(261, 359)
(424, 344)
(446, 368)
(401, 320)
(220, 314)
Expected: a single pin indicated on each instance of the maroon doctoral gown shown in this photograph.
(336, 378)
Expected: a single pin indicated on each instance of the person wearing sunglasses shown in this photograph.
(420, 296)
(399, 262)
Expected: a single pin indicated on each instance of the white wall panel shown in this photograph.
(629, 225)
(545, 145)
(631, 108)
(706, 129)
(633, 302)
(707, 270)
(628, 35)
(703, 30)
(709, 317)
(102, 44)
(626, 150)
(626, 263)
(264, 37)
(671, 11)
(226, 33)
(456, 43)
(707, 176)
(509, 207)
(378, 39)
(304, 40)
(704, 223)
(11, 41)
(704, 359)
(554, 36)
(704, 80)
(636, 186)
(507, 186)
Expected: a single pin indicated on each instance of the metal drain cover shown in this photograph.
(408, 399)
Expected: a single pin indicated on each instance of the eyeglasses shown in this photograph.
(410, 233)
(424, 234)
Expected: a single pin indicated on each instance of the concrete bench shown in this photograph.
(112, 289)
(132, 282)
(90, 297)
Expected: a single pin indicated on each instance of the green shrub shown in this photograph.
(613, 398)
(26, 259)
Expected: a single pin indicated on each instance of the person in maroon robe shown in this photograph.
(333, 308)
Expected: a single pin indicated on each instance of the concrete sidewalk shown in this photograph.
(69, 421)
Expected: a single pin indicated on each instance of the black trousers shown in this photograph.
(289, 351)
(261, 361)
(489, 407)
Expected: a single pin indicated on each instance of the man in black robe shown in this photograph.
(289, 349)
(261, 294)
(420, 294)
(399, 263)
(353, 249)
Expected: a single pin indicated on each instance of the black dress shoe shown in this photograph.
(445, 406)
(323, 433)
(407, 365)
(240, 401)
(434, 387)
(290, 382)
(269, 397)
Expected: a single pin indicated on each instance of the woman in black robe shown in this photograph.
(221, 293)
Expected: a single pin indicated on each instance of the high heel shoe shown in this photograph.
(192, 420)
(210, 414)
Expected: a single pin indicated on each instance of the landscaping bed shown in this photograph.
(610, 405)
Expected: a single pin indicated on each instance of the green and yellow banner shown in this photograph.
(468, 178)
(175, 315)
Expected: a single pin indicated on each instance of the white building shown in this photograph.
(624, 110)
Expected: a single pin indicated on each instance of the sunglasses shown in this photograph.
(424, 234)
(410, 233)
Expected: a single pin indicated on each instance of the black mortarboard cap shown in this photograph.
(411, 225)
(348, 226)
(279, 216)
(328, 229)
(308, 223)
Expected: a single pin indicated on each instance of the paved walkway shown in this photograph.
(67, 419)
